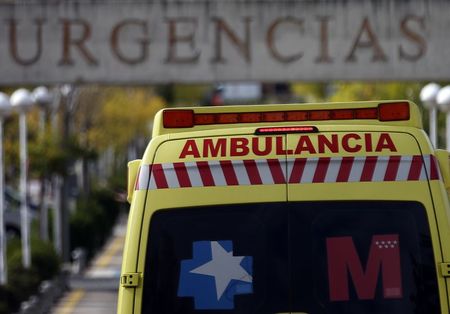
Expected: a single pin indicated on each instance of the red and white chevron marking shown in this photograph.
(293, 171)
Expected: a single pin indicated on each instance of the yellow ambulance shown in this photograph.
(303, 208)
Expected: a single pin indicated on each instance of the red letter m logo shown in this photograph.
(384, 255)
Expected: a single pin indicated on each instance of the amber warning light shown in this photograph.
(187, 118)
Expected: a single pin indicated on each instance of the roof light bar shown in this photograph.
(187, 118)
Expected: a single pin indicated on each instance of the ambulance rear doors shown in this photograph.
(323, 221)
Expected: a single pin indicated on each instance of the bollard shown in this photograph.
(47, 295)
(31, 306)
(49, 292)
(79, 260)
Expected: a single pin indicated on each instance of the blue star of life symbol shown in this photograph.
(214, 276)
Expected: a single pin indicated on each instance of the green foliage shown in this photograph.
(117, 180)
(100, 119)
(24, 282)
(186, 95)
(93, 220)
(44, 258)
(357, 91)
(310, 92)
(87, 226)
(97, 120)
(125, 114)
(48, 155)
(5, 300)
(106, 199)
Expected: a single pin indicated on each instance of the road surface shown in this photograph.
(95, 291)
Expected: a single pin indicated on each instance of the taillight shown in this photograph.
(393, 111)
(187, 118)
(178, 118)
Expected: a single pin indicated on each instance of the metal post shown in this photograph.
(3, 265)
(25, 222)
(447, 131)
(70, 97)
(22, 100)
(44, 210)
(43, 217)
(65, 232)
(433, 129)
(443, 101)
(56, 179)
(43, 98)
(428, 96)
(57, 228)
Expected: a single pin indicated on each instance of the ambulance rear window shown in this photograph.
(308, 257)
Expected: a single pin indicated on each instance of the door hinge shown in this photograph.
(129, 280)
(445, 269)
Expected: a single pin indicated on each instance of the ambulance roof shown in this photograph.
(188, 119)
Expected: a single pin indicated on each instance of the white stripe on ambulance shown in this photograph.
(357, 168)
(405, 164)
(264, 171)
(380, 169)
(194, 174)
(292, 170)
(274, 145)
(333, 170)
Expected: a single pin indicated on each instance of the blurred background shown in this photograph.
(80, 83)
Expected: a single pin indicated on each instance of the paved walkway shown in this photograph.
(95, 291)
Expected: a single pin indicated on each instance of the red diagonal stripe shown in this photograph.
(321, 169)
(416, 168)
(297, 170)
(392, 168)
(344, 170)
(276, 171)
(434, 171)
(369, 168)
(228, 172)
(160, 177)
(252, 171)
(205, 173)
(182, 174)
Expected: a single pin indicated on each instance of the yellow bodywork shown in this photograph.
(166, 145)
